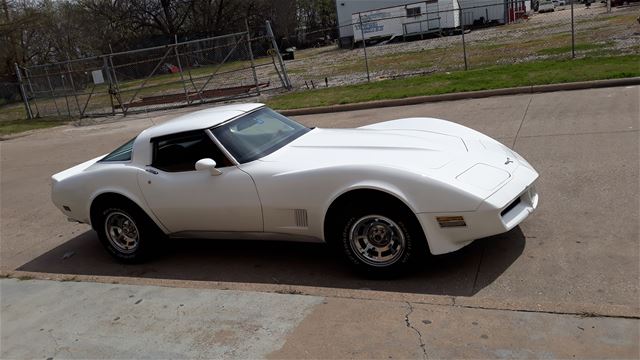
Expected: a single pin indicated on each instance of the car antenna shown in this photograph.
(146, 111)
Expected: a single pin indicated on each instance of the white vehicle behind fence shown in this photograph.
(546, 6)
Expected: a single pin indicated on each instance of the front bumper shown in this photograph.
(499, 213)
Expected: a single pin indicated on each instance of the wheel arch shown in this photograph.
(359, 192)
(113, 196)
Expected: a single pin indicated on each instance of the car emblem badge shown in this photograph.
(509, 161)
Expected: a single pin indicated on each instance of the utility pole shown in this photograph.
(573, 33)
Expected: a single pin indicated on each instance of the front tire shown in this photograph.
(126, 233)
(380, 241)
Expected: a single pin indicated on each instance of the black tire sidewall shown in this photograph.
(404, 221)
(145, 231)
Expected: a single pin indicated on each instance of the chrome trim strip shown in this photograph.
(222, 148)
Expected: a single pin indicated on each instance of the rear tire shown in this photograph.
(380, 240)
(127, 233)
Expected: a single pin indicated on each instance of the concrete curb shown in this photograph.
(574, 309)
(464, 95)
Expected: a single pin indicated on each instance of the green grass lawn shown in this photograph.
(495, 77)
(17, 126)
(567, 49)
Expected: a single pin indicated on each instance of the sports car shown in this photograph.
(383, 195)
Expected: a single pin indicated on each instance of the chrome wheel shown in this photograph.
(377, 240)
(122, 232)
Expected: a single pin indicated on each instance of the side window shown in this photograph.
(180, 152)
(413, 12)
(123, 153)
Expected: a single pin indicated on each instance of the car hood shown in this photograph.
(438, 149)
(405, 148)
(362, 146)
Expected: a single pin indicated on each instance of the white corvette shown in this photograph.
(384, 194)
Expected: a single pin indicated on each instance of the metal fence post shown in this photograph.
(573, 34)
(114, 78)
(175, 50)
(105, 68)
(277, 50)
(364, 47)
(64, 88)
(73, 86)
(253, 65)
(23, 92)
(35, 100)
(464, 44)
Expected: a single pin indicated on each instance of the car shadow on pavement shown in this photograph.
(462, 273)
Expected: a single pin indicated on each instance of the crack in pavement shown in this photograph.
(408, 324)
(550, 312)
(475, 279)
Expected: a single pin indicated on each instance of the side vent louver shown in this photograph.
(301, 217)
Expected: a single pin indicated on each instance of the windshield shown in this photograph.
(258, 134)
(123, 153)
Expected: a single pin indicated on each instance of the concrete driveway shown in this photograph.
(579, 254)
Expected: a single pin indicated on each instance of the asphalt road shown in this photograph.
(579, 253)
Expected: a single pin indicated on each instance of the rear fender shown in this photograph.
(131, 197)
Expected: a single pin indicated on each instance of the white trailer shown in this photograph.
(405, 20)
(480, 12)
(346, 8)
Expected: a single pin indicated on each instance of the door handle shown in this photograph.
(151, 171)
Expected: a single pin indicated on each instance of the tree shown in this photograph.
(40, 31)
(166, 16)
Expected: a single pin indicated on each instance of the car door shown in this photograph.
(184, 199)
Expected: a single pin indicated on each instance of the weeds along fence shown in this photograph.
(214, 69)
(422, 38)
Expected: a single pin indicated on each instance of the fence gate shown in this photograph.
(178, 74)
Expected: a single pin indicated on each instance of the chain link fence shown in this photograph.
(422, 38)
(432, 37)
(222, 68)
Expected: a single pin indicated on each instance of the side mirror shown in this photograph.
(208, 164)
